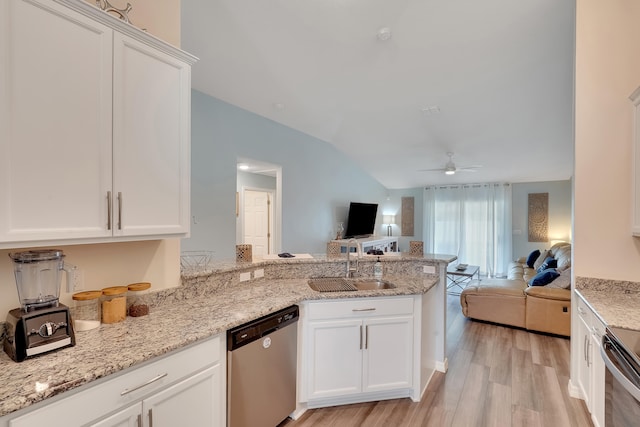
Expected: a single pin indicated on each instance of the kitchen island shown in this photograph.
(208, 303)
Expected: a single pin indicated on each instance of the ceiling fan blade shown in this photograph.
(473, 168)
(431, 170)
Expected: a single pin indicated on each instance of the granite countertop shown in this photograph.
(617, 303)
(114, 347)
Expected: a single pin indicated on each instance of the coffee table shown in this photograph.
(457, 280)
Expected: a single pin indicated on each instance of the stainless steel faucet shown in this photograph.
(352, 271)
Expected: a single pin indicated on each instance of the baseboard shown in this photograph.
(442, 366)
(574, 391)
(301, 408)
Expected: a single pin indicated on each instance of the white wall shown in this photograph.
(109, 264)
(560, 200)
(607, 72)
(393, 206)
(318, 181)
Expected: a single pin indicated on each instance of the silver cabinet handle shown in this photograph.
(108, 210)
(139, 420)
(119, 210)
(138, 387)
(360, 337)
(364, 309)
(150, 418)
(366, 337)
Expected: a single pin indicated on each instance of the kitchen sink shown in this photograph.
(372, 284)
(341, 284)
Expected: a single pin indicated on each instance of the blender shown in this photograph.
(41, 324)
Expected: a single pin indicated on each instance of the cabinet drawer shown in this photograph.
(359, 307)
(91, 402)
(583, 310)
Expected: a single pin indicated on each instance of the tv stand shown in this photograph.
(385, 244)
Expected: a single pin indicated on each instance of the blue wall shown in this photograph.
(318, 181)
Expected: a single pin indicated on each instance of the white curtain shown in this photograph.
(471, 221)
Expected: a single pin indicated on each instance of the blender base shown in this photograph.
(40, 331)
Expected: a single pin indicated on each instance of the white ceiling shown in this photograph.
(500, 71)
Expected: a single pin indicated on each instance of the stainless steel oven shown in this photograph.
(619, 350)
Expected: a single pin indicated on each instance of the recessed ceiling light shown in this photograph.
(243, 167)
(384, 34)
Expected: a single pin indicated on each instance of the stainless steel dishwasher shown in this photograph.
(261, 370)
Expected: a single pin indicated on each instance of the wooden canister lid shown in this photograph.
(141, 286)
(86, 295)
(114, 290)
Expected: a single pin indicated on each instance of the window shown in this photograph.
(472, 222)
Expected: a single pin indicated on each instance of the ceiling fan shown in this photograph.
(450, 168)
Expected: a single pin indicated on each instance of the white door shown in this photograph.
(388, 355)
(335, 358)
(151, 132)
(258, 221)
(192, 402)
(55, 123)
(130, 417)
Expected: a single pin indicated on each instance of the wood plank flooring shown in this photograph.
(498, 376)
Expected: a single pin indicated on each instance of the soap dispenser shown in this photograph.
(377, 269)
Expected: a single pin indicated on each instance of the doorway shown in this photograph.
(258, 220)
(259, 205)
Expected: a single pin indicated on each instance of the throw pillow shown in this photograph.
(533, 256)
(548, 263)
(544, 255)
(563, 281)
(544, 278)
(551, 262)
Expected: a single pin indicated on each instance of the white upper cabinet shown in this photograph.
(151, 132)
(94, 128)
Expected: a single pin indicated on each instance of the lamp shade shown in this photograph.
(388, 219)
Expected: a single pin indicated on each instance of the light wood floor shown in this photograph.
(498, 376)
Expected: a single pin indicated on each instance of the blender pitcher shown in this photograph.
(38, 274)
(41, 324)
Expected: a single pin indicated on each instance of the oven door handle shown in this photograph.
(607, 351)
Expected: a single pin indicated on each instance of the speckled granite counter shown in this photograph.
(208, 303)
(616, 302)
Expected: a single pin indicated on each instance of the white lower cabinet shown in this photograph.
(356, 347)
(189, 403)
(184, 388)
(591, 369)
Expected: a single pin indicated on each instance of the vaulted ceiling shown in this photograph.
(490, 81)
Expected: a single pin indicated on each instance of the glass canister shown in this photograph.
(137, 304)
(114, 304)
(86, 310)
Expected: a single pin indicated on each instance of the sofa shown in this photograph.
(523, 301)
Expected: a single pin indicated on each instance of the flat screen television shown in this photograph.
(361, 220)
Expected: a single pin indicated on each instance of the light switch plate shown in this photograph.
(258, 273)
(245, 276)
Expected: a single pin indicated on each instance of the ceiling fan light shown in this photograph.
(450, 172)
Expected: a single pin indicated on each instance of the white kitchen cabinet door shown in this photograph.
(151, 134)
(584, 370)
(194, 402)
(55, 123)
(129, 417)
(335, 358)
(388, 355)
